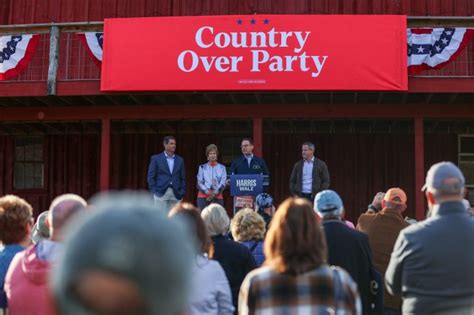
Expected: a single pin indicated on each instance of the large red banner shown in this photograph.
(255, 52)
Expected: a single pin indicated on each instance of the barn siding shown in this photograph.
(46, 11)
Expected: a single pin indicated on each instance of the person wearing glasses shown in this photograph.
(248, 163)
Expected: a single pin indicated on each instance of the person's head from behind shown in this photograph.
(63, 208)
(395, 199)
(295, 242)
(216, 219)
(444, 182)
(123, 258)
(247, 225)
(16, 220)
(328, 205)
(190, 214)
(40, 230)
(169, 144)
(264, 202)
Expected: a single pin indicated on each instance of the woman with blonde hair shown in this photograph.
(210, 290)
(211, 179)
(296, 278)
(248, 228)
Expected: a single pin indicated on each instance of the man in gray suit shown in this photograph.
(431, 263)
(309, 175)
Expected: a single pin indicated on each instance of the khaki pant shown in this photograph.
(167, 201)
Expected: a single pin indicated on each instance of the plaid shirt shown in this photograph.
(266, 292)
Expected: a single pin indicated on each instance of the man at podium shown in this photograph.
(248, 163)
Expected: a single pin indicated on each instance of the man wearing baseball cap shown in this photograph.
(383, 228)
(431, 263)
(347, 247)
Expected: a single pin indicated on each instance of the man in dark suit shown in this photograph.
(309, 175)
(248, 163)
(166, 176)
(347, 247)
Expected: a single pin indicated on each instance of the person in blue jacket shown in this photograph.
(166, 176)
(248, 163)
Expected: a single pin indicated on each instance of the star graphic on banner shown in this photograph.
(444, 40)
(421, 49)
(266, 21)
(448, 33)
(239, 21)
(252, 21)
(438, 48)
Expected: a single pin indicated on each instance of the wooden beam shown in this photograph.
(241, 111)
(43, 28)
(440, 21)
(53, 60)
(419, 169)
(92, 87)
(18, 88)
(105, 155)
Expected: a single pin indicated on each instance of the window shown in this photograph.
(466, 162)
(29, 164)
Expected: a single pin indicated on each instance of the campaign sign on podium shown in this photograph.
(246, 185)
(244, 188)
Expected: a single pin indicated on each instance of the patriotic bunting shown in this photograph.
(15, 53)
(435, 48)
(94, 45)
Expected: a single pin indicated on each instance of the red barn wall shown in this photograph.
(46, 11)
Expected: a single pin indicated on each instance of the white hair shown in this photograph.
(216, 219)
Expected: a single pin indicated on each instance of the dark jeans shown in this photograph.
(307, 197)
(203, 203)
(391, 311)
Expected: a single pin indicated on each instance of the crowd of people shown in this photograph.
(127, 253)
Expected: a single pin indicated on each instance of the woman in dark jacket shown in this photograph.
(248, 228)
(235, 258)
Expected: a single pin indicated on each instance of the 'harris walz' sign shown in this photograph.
(256, 52)
(246, 185)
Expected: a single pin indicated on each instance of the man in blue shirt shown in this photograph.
(309, 175)
(166, 176)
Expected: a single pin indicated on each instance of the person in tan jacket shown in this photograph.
(383, 228)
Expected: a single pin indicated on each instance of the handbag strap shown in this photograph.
(252, 248)
(338, 292)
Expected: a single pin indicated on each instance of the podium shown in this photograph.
(245, 187)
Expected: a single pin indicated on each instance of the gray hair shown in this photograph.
(310, 145)
(337, 213)
(216, 219)
(63, 208)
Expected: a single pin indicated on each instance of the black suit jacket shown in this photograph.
(236, 260)
(350, 250)
(321, 178)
